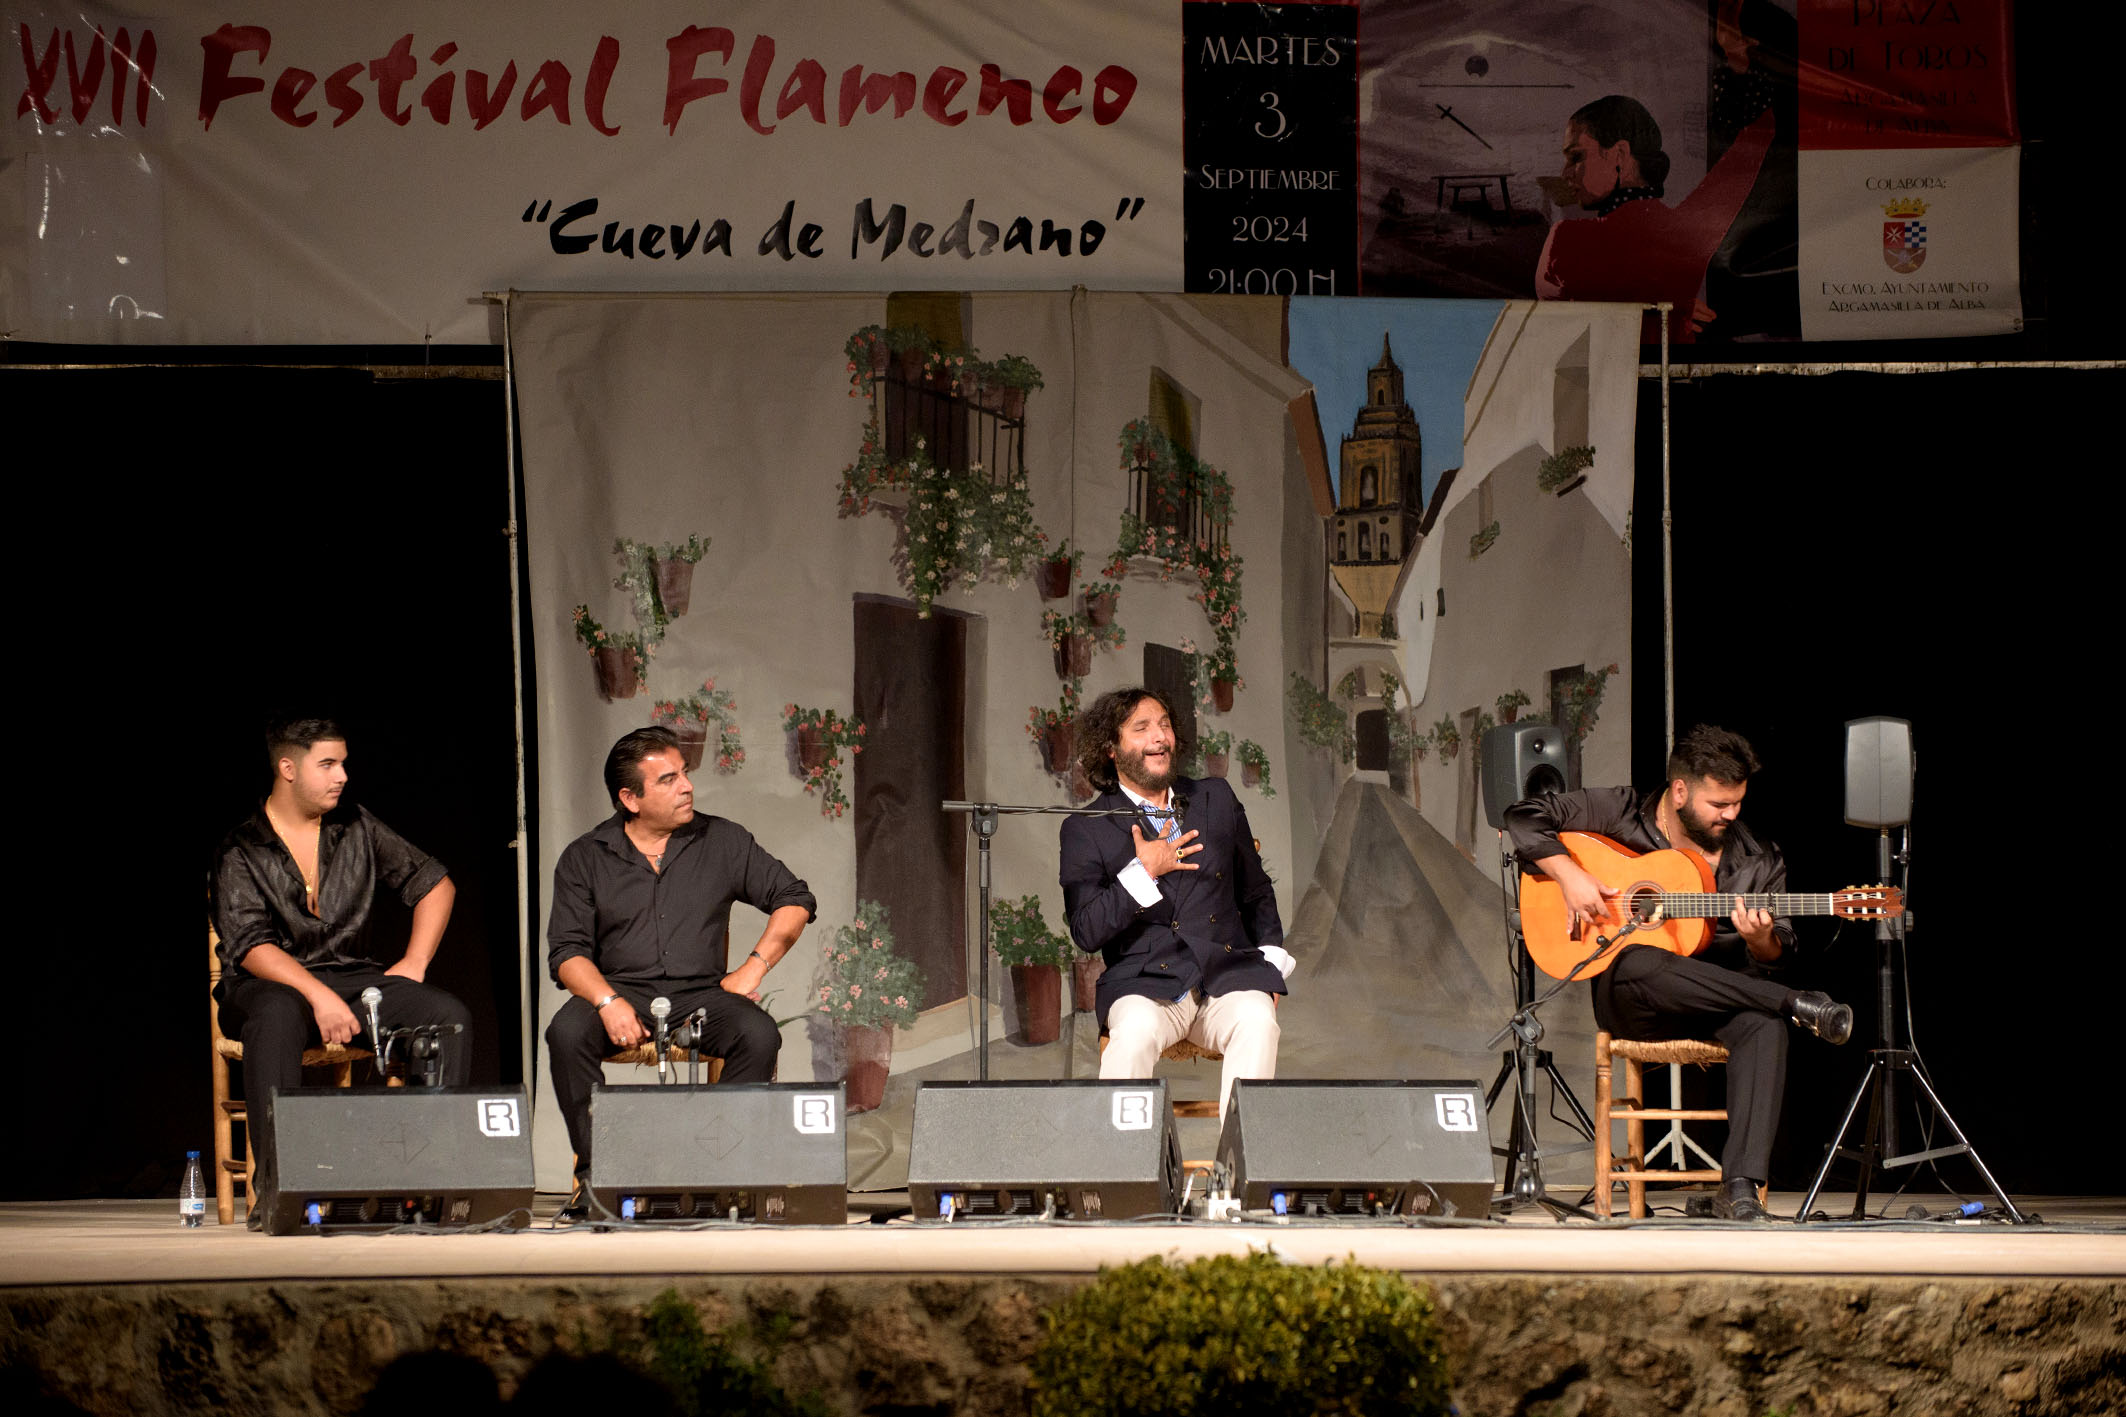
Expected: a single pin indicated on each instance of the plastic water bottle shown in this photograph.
(192, 1195)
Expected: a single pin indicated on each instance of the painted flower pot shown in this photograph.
(1037, 1002)
(1074, 657)
(1085, 974)
(693, 737)
(1057, 740)
(1215, 764)
(615, 666)
(867, 1057)
(811, 749)
(1510, 713)
(909, 363)
(1100, 609)
(1052, 578)
(675, 585)
(881, 356)
(1014, 403)
(1222, 694)
(1250, 775)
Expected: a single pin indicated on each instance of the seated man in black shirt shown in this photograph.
(291, 896)
(1729, 991)
(641, 909)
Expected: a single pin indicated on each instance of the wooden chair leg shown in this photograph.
(1635, 1133)
(224, 1183)
(1602, 1163)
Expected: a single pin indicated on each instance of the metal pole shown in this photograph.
(1668, 557)
(525, 1019)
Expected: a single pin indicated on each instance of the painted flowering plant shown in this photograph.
(712, 709)
(826, 733)
(1321, 720)
(863, 982)
(596, 637)
(1040, 720)
(1020, 935)
(1251, 754)
(1175, 477)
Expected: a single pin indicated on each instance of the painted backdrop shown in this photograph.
(872, 551)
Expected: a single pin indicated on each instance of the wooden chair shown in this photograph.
(1186, 1052)
(644, 1055)
(1630, 1168)
(229, 1111)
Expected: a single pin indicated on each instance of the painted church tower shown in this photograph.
(1380, 494)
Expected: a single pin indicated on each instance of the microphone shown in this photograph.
(1179, 799)
(660, 1010)
(371, 997)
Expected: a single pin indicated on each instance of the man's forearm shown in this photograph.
(583, 979)
(430, 916)
(276, 964)
(785, 924)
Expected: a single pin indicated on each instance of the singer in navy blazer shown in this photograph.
(1207, 928)
(1173, 896)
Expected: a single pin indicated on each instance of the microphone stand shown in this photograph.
(982, 820)
(1524, 1158)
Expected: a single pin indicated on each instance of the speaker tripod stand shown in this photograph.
(1523, 1185)
(1876, 1147)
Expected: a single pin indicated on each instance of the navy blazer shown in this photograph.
(1207, 927)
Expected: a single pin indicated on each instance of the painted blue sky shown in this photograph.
(1335, 341)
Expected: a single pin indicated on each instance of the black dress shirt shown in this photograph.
(257, 891)
(637, 924)
(1747, 866)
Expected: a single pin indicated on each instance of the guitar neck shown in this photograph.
(1699, 905)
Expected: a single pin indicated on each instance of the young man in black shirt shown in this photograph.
(641, 909)
(1730, 990)
(292, 893)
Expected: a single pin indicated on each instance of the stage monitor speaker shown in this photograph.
(1519, 760)
(1878, 772)
(1341, 1147)
(775, 1152)
(373, 1158)
(1092, 1149)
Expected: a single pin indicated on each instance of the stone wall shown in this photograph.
(1564, 1346)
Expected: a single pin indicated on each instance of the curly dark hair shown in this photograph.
(1712, 753)
(1100, 729)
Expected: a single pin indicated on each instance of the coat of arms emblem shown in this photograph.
(1904, 235)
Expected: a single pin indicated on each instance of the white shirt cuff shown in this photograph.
(1281, 957)
(1139, 883)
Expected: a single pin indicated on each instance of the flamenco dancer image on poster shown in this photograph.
(1636, 248)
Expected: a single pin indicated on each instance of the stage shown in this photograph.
(115, 1308)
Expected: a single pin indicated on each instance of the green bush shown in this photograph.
(1231, 1336)
(706, 1373)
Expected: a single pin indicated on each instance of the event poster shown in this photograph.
(202, 172)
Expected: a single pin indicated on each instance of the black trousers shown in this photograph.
(276, 1024)
(1650, 995)
(740, 1032)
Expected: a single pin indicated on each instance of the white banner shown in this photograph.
(192, 172)
(1909, 243)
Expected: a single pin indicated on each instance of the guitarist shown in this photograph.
(1730, 991)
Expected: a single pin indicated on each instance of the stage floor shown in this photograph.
(139, 1242)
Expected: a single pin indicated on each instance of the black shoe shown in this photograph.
(1737, 1200)
(255, 1218)
(1822, 1015)
(577, 1209)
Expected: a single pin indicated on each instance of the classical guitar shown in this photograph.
(1668, 896)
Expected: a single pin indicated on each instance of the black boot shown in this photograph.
(1822, 1015)
(1737, 1200)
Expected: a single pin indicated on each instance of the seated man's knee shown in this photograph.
(757, 1033)
(576, 1028)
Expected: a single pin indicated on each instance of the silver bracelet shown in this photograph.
(600, 1005)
